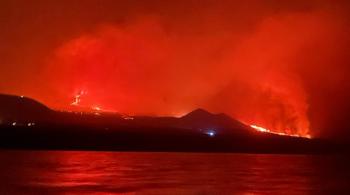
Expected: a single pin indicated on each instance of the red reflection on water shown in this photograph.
(162, 173)
(84, 171)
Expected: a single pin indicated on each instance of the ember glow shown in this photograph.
(97, 108)
(77, 98)
(261, 129)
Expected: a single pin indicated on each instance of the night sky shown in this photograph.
(282, 65)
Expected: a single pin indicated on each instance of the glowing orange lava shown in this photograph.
(77, 98)
(262, 129)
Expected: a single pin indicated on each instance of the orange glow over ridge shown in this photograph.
(281, 65)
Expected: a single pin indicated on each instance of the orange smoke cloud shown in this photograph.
(266, 64)
(141, 68)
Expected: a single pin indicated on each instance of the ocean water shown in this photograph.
(69, 172)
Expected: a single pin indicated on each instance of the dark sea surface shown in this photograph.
(65, 172)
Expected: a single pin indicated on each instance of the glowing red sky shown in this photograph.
(271, 63)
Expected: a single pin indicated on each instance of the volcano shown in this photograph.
(198, 130)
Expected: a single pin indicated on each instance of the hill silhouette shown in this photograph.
(198, 130)
(203, 119)
(22, 109)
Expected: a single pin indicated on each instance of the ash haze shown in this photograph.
(282, 65)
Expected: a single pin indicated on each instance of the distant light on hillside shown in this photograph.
(30, 124)
(210, 133)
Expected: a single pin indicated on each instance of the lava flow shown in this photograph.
(77, 98)
(264, 130)
(82, 103)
